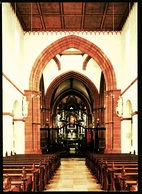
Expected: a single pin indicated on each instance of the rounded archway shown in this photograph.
(72, 41)
(71, 74)
(128, 109)
(16, 109)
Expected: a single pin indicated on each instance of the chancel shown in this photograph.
(70, 96)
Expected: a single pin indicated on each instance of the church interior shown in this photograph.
(70, 96)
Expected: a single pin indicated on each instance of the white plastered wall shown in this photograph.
(129, 73)
(11, 95)
(34, 44)
(21, 50)
(13, 79)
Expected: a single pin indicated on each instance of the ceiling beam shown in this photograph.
(61, 15)
(41, 18)
(83, 13)
(104, 15)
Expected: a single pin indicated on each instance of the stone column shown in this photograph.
(32, 122)
(112, 123)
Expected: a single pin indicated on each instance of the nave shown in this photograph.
(50, 172)
(73, 175)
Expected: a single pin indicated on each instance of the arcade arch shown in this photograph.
(112, 121)
(73, 41)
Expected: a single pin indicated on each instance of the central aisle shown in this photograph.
(73, 175)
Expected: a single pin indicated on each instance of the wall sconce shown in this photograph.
(46, 123)
(42, 109)
(98, 122)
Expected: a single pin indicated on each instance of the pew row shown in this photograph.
(29, 172)
(115, 172)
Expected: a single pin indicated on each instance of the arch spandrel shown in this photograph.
(73, 41)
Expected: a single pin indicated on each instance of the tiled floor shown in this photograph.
(73, 175)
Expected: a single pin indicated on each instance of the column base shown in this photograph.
(112, 151)
(33, 152)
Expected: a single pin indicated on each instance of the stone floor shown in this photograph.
(73, 175)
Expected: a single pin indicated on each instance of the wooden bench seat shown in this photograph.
(93, 160)
(21, 178)
(99, 168)
(131, 183)
(52, 159)
(37, 166)
(114, 178)
(35, 175)
(107, 168)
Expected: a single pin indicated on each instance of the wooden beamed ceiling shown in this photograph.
(72, 16)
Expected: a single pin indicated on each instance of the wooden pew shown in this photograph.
(6, 182)
(53, 159)
(29, 178)
(108, 165)
(96, 163)
(113, 177)
(93, 161)
(34, 177)
(46, 168)
(16, 179)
